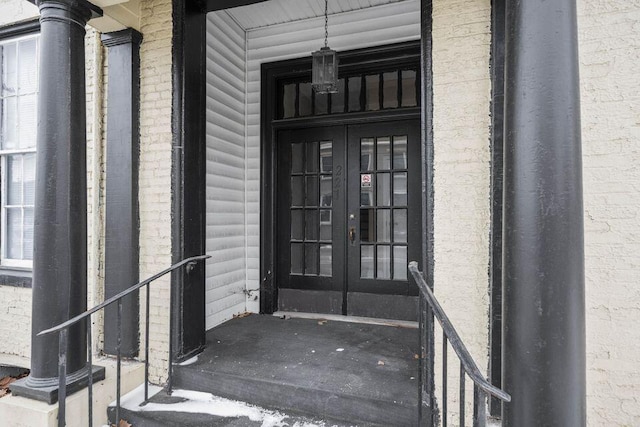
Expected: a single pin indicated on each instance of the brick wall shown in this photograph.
(462, 90)
(155, 172)
(609, 35)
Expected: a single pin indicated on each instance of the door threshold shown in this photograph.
(350, 319)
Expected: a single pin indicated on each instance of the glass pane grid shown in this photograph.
(311, 207)
(383, 212)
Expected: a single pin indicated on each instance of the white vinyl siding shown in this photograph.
(225, 139)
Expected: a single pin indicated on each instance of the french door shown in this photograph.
(348, 219)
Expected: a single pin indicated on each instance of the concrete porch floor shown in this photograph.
(362, 374)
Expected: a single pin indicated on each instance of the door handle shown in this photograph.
(352, 234)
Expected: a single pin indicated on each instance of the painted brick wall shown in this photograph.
(155, 172)
(462, 89)
(609, 35)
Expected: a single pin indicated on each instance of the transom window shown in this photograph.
(18, 123)
(373, 91)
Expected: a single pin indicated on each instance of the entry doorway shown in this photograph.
(348, 218)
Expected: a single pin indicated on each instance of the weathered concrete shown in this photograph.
(355, 372)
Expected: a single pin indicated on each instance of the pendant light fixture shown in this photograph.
(324, 71)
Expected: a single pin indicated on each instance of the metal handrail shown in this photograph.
(467, 365)
(63, 327)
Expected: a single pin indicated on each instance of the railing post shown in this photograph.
(479, 407)
(146, 347)
(62, 377)
(118, 361)
(90, 369)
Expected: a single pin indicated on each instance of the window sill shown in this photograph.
(18, 277)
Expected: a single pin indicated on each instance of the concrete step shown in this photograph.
(361, 374)
(194, 409)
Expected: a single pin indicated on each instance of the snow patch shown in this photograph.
(188, 362)
(339, 349)
(206, 403)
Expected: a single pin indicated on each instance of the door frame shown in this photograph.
(360, 60)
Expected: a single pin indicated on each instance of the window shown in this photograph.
(18, 123)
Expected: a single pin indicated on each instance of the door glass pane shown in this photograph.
(366, 193)
(367, 225)
(325, 224)
(14, 233)
(383, 146)
(366, 154)
(400, 189)
(400, 225)
(372, 100)
(383, 193)
(325, 260)
(297, 191)
(297, 224)
(304, 103)
(312, 191)
(337, 99)
(297, 257)
(289, 101)
(326, 157)
(409, 88)
(312, 157)
(355, 84)
(311, 224)
(326, 187)
(384, 262)
(400, 262)
(390, 90)
(384, 225)
(366, 261)
(14, 180)
(311, 258)
(28, 234)
(9, 69)
(297, 157)
(399, 152)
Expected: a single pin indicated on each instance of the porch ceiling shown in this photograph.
(274, 12)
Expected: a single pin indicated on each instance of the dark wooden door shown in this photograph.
(348, 219)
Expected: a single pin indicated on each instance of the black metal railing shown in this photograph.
(482, 388)
(63, 329)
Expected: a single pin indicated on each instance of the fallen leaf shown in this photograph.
(122, 423)
(241, 315)
(6, 381)
(416, 356)
(3, 392)
(380, 362)
(322, 322)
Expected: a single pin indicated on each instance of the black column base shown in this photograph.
(49, 393)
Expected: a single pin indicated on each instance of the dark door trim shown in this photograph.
(271, 73)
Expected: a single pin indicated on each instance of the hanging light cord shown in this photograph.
(326, 23)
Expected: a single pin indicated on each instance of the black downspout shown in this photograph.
(543, 280)
(427, 410)
(497, 163)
